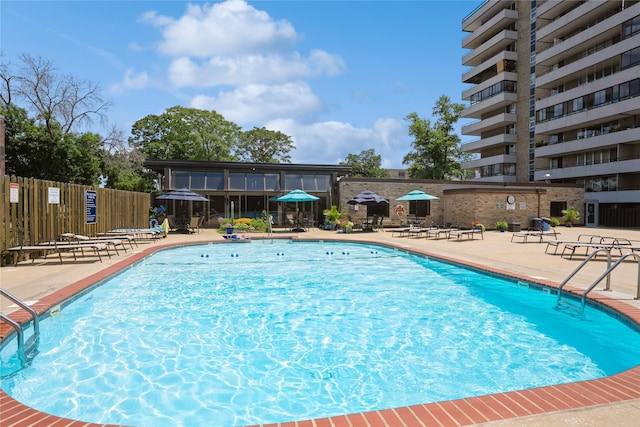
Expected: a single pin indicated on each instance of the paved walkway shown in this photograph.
(33, 281)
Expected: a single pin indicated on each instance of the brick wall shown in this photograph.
(462, 203)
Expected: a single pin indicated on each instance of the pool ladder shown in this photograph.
(606, 274)
(24, 348)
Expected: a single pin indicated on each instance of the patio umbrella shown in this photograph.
(183, 194)
(367, 197)
(298, 195)
(418, 195)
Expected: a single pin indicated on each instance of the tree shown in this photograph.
(34, 151)
(366, 164)
(123, 167)
(185, 134)
(260, 145)
(61, 102)
(46, 146)
(436, 150)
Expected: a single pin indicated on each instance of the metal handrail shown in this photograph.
(609, 270)
(582, 264)
(33, 340)
(21, 353)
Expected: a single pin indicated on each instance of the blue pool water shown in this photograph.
(236, 334)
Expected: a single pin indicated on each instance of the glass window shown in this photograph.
(600, 97)
(197, 180)
(237, 181)
(255, 182)
(180, 179)
(271, 182)
(309, 182)
(292, 182)
(322, 182)
(215, 181)
(577, 105)
(557, 110)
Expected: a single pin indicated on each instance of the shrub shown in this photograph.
(502, 225)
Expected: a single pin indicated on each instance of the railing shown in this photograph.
(606, 274)
(24, 349)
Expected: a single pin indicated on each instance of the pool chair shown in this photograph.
(194, 224)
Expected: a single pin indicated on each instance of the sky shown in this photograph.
(339, 77)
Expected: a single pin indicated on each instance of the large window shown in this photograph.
(307, 182)
(215, 181)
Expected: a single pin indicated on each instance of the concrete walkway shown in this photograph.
(32, 281)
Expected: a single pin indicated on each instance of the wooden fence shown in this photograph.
(35, 210)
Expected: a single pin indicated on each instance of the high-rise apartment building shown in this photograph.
(555, 89)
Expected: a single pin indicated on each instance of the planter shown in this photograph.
(229, 230)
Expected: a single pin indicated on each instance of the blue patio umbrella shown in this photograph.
(298, 195)
(367, 197)
(183, 194)
(418, 195)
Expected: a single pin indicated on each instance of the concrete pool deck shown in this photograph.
(46, 280)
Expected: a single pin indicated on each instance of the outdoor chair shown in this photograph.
(194, 224)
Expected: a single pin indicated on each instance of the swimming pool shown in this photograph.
(371, 329)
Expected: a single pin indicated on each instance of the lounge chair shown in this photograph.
(86, 240)
(56, 247)
(469, 233)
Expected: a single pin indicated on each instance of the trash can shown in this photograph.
(536, 223)
(546, 224)
(514, 227)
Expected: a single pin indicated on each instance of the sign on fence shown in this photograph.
(91, 199)
(54, 195)
(14, 193)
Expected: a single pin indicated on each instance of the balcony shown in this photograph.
(487, 161)
(607, 112)
(491, 47)
(589, 144)
(571, 21)
(492, 103)
(502, 19)
(470, 75)
(495, 122)
(618, 167)
(486, 143)
(609, 55)
(552, 8)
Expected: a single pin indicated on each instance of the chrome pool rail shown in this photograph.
(24, 348)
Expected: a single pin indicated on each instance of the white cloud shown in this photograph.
(230, 27)
(260, 103)
(255, 69)
(330, 142)
(130, 81)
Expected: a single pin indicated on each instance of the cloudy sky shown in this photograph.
(339, 77)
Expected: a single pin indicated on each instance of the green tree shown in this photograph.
(436, 152)
(260, 145)
(48, 146)
(185, 134)
(123, 166)
(366, 164)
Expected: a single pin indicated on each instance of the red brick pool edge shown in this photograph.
(617, 388)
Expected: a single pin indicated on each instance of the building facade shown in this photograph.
(555, 89)
(248, 189)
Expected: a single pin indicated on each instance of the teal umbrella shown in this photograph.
(418, 195)
(297, 196)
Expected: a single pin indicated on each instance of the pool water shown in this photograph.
(262, 332)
